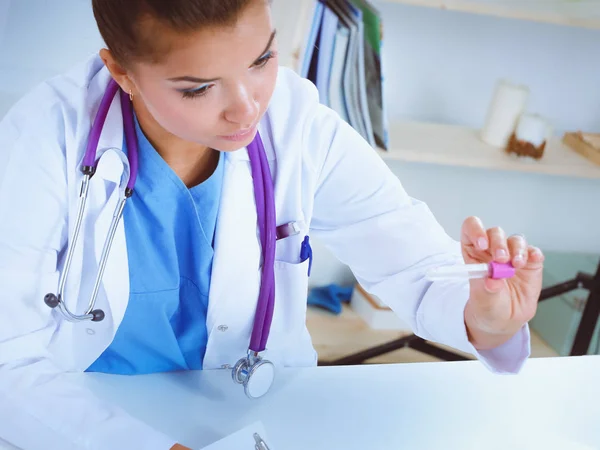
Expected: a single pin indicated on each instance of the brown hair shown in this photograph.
(121, 23)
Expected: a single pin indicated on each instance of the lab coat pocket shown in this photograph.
(293, 261)
(291, 279)
(291, 292)
(290, 249)
(289, 336)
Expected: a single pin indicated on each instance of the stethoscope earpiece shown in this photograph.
(97, 315)
(51, 300)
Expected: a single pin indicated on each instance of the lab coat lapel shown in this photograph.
(235, 277)
(236, 273)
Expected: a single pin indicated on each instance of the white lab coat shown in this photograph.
(326, 177)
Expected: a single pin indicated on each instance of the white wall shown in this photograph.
(442, 66)
(39, 39)
(433, 72)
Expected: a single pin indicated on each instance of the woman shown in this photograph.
(183, 276)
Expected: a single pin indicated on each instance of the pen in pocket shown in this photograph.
(306, 253)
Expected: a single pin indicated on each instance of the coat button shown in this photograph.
(90, 331)
(222, 328)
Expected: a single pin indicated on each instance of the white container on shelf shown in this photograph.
(534, 129)
(508, 103)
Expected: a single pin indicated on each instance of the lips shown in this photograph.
(240, 135)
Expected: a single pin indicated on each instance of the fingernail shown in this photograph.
(501, 253)
(519, 257)
(483, 243)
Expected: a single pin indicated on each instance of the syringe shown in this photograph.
(493, 270)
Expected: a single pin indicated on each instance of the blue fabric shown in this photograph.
(330, 297)
(169, 230)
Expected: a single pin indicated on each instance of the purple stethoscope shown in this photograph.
(252, 371)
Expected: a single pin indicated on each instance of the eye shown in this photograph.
(196, 92)
(263, 60)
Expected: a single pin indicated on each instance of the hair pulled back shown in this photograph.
(131, 28)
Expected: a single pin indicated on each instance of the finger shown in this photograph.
(493, 286)
(490, 287)
(498, 244)
(473, 234)
(535, 258)
(517, 247)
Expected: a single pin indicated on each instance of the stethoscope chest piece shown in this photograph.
(255, 374)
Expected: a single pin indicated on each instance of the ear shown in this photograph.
(117, 71)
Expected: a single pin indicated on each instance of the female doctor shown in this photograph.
(228, 165)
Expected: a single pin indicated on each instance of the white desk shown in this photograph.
(409, 406)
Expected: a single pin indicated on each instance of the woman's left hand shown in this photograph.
(498, 309)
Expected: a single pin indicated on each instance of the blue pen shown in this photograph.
(306, 253)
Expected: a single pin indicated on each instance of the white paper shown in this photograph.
(336, 88)
(243, 439)
(326, 47)
(312, 38)
(362, 84)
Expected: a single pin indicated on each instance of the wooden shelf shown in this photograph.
(578, 13)
(461, 146)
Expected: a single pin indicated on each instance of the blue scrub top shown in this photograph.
(169, 231)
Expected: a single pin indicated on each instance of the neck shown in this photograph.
(193, 163)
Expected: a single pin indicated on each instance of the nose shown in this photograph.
(244, 109)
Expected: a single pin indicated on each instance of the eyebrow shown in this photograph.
(191, 79)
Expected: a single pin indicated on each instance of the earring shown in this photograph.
(130, 95)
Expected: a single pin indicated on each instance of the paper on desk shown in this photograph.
(243, 439)
(524, 439)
